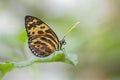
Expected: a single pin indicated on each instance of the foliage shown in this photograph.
(57, 57)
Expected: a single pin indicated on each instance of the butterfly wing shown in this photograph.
(41, 38)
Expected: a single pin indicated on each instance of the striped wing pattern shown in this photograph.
(41, 38)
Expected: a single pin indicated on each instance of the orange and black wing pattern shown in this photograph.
(42, 40)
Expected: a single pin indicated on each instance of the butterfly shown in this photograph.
(42, 40)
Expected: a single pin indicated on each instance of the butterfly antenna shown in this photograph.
(71, 29)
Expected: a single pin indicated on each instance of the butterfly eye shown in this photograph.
(63, 42)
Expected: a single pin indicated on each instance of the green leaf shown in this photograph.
(4, 68)
(59, 56)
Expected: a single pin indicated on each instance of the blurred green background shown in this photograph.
(96, 40)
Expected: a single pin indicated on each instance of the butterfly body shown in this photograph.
(42, 40)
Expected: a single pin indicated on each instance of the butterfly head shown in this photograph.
(62, 42)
